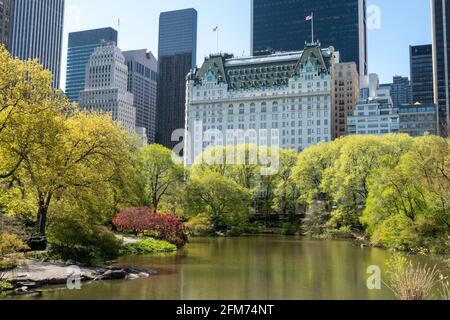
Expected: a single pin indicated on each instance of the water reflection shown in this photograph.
(260, 268)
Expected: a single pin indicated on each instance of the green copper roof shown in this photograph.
(263, 71)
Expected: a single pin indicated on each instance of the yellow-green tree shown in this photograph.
(76, 153)
(25, 93)
(157, 177)
(224, 201)
(409, 204)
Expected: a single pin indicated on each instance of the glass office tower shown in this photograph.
(421, 59)
(81, 46)
(177, 56)
(280, 25)
(441, 33)
(142, 83)
(37, 33)
(6, 8)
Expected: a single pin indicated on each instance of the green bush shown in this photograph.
(5, 286)
(73, 239)
(10, 244)
(288, 229)
(7, 264)
(148, 246)
(200, 225)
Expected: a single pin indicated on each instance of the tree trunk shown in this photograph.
(41, 222)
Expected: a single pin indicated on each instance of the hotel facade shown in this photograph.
(282, 100)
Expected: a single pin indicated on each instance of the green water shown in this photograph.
(266, 268)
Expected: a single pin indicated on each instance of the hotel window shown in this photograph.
(275, 107)
(263, 107)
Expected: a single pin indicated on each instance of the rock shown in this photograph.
(143, 275)
(21, 290)
(132, 276)
(30, 285)
(114, 275)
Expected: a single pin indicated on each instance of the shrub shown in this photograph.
(415, 282)
(136, 220)
(10, 244)
(200, 225)
(169, 228)
(165, 227)
(73, 239)
(12, 225)
(148, 246)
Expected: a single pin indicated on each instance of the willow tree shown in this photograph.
(157, 176)
(25, 93)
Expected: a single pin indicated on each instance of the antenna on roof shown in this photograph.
(118, 31)
(216, 30)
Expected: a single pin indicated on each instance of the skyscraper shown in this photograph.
(106, 86)
(346, 92)
(81, 46)
(280, 25)
(401, 91)
(421, 59)
(6, 8)
(142, 83)
(37, 33)
(441, 69)
(177, 56)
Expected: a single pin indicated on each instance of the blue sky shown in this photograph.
(403, 23)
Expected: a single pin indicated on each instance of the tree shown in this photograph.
(244, 170)
(347, 179)
(75, 154)
(223, 200)
(286, 192)
(157, 176)
(25, 92)
(309, 172)
(408, 204)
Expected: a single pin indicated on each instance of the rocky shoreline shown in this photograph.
(34, 274)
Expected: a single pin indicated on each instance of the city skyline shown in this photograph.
(234, 28)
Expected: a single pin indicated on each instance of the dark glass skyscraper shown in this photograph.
(401, 91)
(441, 67)
(37, 33)
(421, 59)
(81, 46)
(177, 56)
(6, 8)
(280, 25)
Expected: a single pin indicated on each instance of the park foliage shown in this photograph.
(72, 175)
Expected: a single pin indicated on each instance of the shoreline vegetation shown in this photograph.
(70, 180)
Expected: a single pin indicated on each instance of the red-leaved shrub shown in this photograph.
(166, 227)
(136, 220)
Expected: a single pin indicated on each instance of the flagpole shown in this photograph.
(312, 27)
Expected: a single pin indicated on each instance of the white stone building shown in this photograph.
(106, 86)
(374, 116)
(281, 99)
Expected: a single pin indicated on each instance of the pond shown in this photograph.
(247, 268)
